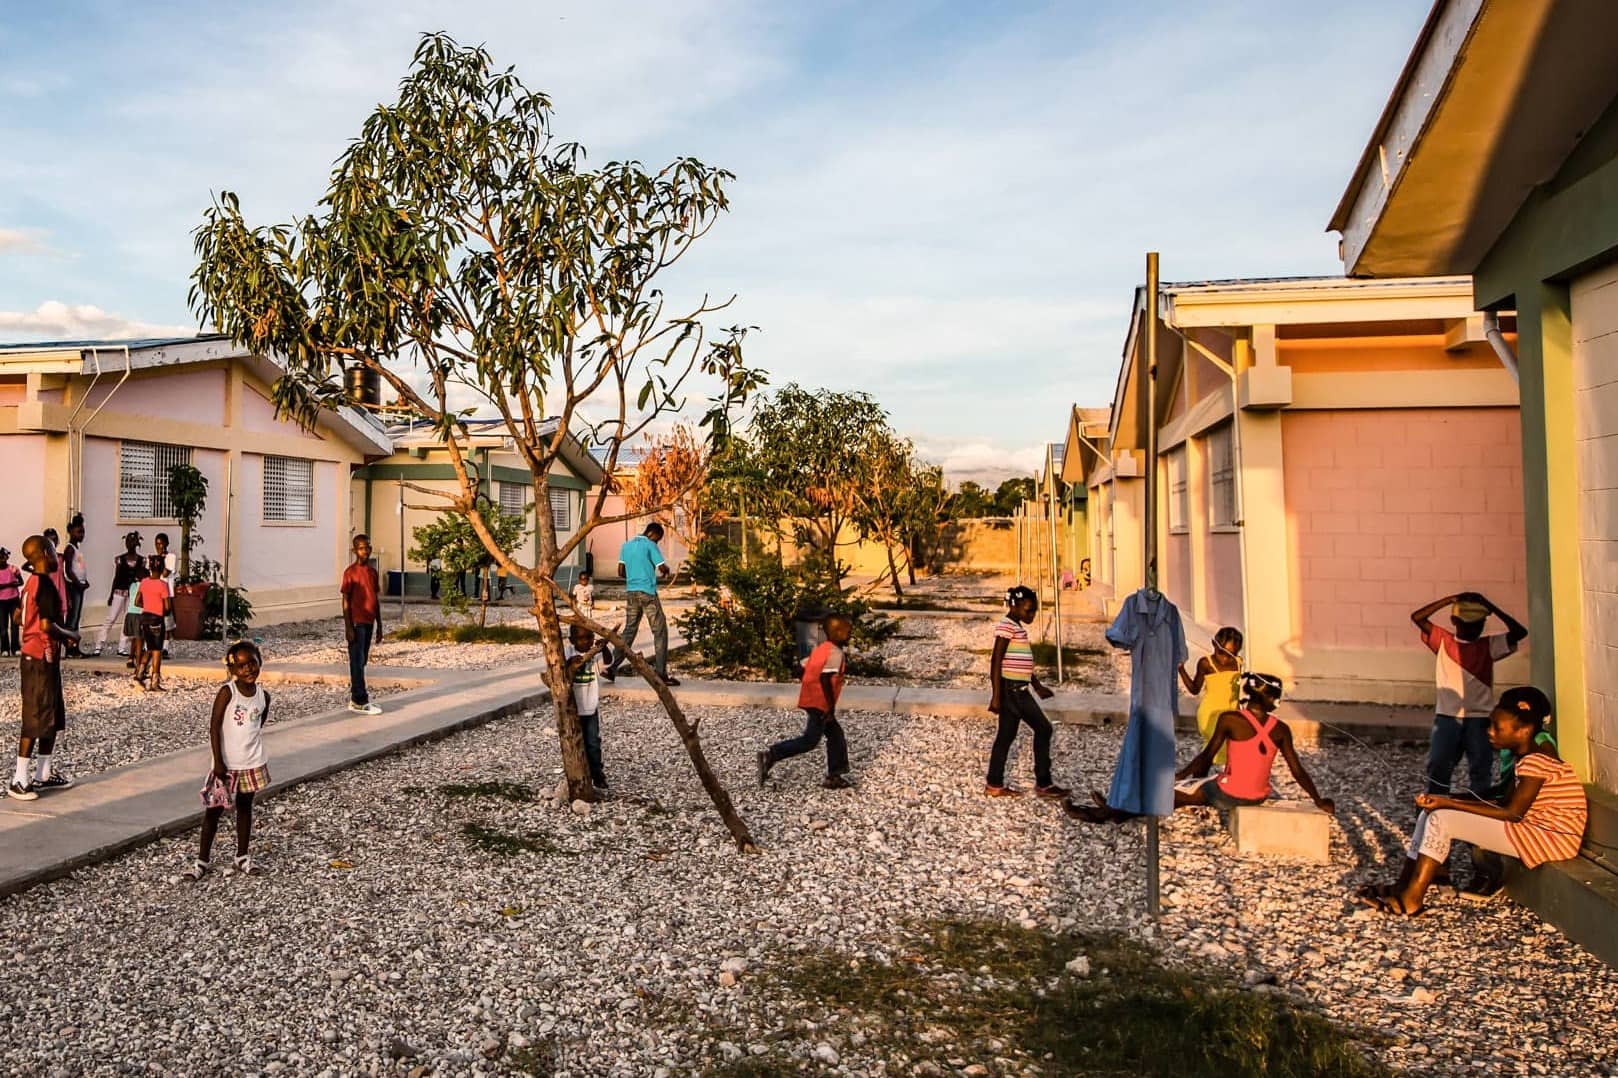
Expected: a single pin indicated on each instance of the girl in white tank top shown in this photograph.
(235, 729)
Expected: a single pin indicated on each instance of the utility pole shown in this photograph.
(1148, 369)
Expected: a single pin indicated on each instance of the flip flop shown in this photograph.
(1392, 906)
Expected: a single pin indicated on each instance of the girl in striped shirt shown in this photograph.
(1012, 685)
(1542, 819)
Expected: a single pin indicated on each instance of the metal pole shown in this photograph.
(1016, 519)
(1149, 561)
(401, 553)
(1056, 577)
(224, 572)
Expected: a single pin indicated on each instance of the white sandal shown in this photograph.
(199, 868)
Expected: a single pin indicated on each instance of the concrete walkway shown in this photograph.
(105, 814)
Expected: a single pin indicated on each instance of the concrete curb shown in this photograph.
(116, 811)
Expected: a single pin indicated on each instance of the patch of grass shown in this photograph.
(467, 634)
(509, 844)
(960, 985)
(921, 604)
(1045, 654)
(508, 791)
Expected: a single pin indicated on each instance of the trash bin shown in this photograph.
(395, 581)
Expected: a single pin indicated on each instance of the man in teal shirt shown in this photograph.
(641, 565)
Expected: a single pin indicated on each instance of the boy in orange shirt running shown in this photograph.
(822, 685)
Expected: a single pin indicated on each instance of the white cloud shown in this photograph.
(980, 460)
(22, 241)
(54, 321)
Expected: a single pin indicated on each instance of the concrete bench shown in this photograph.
(1580, 896)
(1293, 829)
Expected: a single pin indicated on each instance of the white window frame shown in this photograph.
(1222, 508)
(283, 497)
(1179, 502)
(520, 509)
(149, 483)
(561, 503)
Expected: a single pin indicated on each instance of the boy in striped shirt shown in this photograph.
(1012, 687)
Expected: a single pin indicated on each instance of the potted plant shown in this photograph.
(188, 495)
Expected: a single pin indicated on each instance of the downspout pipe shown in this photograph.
(1497, 341)
(77, 473)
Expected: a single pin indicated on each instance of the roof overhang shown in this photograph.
(1493, 98)
(1315, 301)
(109, 358)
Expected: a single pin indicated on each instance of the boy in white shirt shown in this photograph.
(587, 693)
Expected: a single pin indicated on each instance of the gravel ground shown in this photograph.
(381, 940)
(954, 653)
(111, 721)
(321, 641)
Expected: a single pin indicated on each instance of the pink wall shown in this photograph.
(605, 542)
(276, 556)
(104, 531)
(1391, 508)
(191, 396)
(1223, 558)
(22, 459)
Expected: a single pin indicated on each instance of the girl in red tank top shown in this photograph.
(1252, 737)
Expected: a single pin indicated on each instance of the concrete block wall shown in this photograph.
(1595, 389)
(1388, 508)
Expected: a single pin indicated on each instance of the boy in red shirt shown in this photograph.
(362, 623)
(822, 685)
(156, 602)
(43, 634)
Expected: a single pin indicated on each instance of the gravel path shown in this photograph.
(954, 653)
(382, 940)
(111, 721)
(321, 641)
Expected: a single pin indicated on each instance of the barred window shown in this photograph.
(561, 509)
(289, 490)
(514, 500)
(1179, 493)
(1221, 477)
(143, 479)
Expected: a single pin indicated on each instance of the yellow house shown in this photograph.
(93, 427)
(1331, 454)
(389, 511)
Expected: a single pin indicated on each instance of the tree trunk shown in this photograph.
(575, 765)
(483, 598)
(910, 559)
(893, 571)
(688, 737)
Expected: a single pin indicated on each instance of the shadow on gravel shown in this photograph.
(1013, 1000)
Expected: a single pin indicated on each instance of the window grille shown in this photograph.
(561, 510)
(143, 479)
(1221, 477)
(289, 490)
(514, 500)
(1179, 492)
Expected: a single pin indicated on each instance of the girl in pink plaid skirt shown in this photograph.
(234, 731)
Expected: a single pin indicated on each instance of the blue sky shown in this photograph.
(945, 204)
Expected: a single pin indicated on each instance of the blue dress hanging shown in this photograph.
(1149, 627)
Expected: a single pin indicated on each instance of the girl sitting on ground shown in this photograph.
(1542, 819)
(1254, 737)
(1215, 683)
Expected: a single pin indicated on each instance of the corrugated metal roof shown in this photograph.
(131, 342)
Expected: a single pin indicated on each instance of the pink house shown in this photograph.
(1331, 454)
(93, 426)
(604, 542)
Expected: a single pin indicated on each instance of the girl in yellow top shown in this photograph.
(1215, 682)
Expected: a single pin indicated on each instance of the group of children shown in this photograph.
(1536, 812)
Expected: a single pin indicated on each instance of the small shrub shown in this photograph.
(752, 628)
(467, 634)
(710, 559)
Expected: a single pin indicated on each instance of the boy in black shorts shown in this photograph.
(43, 634)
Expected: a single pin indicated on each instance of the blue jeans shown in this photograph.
(359, 653)
(590, 727)
(1452, 739)
(816, 726)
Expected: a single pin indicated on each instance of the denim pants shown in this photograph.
(1018, 706)
(818, 725)
(1453, 738)
(590, 727)
(359, 653)
(638, 604)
